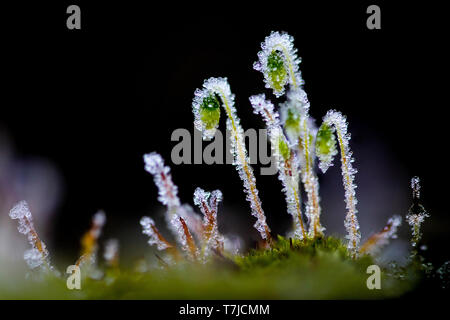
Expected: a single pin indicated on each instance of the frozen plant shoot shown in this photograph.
(220, 90)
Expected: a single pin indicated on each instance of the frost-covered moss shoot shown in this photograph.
(287, 162)
(279, 63)
(89, 241)
(37, 257)
(416, 215)
(219, 87)
(336, 122)
(208, 203)
(168, 195)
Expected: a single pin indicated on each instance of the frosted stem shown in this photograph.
(287, 163)
(167, 194)
(337, 120)
(416, 215)
(208, 203)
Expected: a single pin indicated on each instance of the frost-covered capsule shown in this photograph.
(210, 112)
(278, 62)
(326, 147)
(276, 71)
(214, 93)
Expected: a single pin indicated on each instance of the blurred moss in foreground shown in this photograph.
(292, 269)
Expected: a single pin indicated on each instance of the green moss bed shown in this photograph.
(316, 269)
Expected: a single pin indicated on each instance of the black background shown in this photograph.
(94, 100)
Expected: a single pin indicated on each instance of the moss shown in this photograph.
(292, 269)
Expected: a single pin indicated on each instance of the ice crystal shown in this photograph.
(220, 88)
(416, 214)
(111, 253)
(149, 229)
(287, 163)
(208, 203)
(278, 62)
(415, 187)
(167, 190)
(337, 120)
(37, 256)
(378, 240)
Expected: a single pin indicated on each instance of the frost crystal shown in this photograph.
(336, 119)
(111, 253)
(167, 190)
(219, 87)
(378, 240)
(168, 195)
(415, 186)
(208, 203)
(37, 256)
(149, 229)
(416, 214)
(287, 163)
(278, 62)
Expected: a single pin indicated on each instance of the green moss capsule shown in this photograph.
(210, 112)
(276, 71)
(325, 140)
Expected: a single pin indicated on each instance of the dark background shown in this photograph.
(94, 100)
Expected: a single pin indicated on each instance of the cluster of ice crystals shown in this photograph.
(282, 46)
(98, 221)
(417, 213)
(155, 238)
(287, 161)
(167, 190)
(266, 109)
(336, 119)
(168, 195)
(185, 238)
(111, 251)
(33, 258)
(379, 240)
(221, 88)
(208, 203)
(37, 256)
(415, 186)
